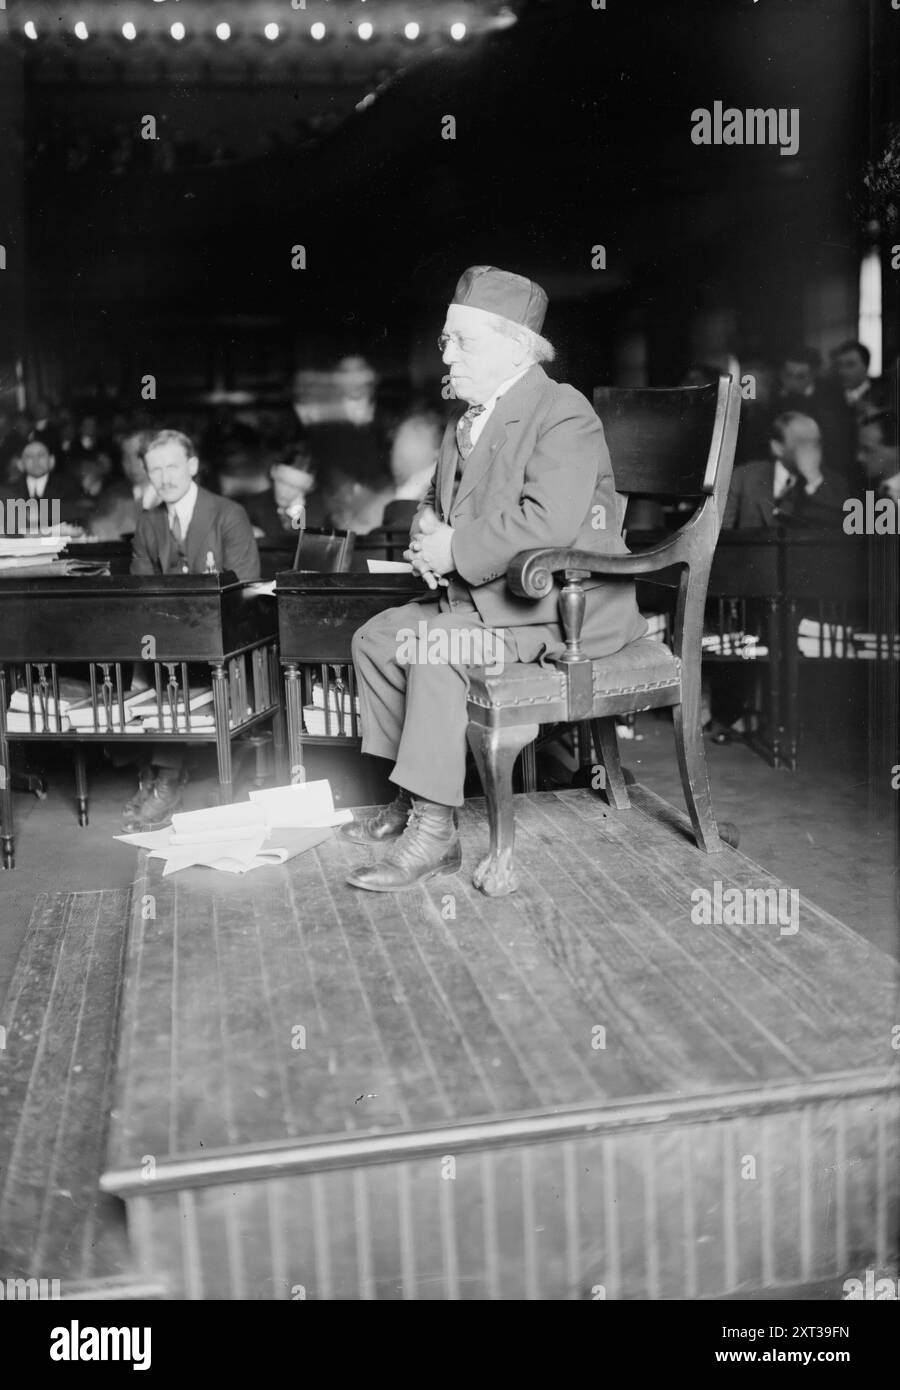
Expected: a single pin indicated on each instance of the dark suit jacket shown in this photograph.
(218, 525)
(262, 510)
(59, 489)
(751, 502)
(399, 515)
(539, 475)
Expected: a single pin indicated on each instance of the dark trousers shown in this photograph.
(413, 712)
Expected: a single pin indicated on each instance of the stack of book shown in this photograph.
(339, 713)
(874, 646)
(834, 640)
(27, 552)
(200, 702)
(77, 712)
(733, 644)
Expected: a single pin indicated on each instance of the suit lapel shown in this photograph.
(447, 468)
(198, 532)
(508, 411)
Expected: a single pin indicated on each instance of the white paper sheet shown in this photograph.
(389, 567)
(306, 803)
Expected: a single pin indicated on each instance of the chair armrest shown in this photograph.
(530, 574)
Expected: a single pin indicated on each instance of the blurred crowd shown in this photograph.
(58, 151)
(334, 457)
(810, 437)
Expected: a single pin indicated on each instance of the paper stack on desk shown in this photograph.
(25, 552)
(272, 827)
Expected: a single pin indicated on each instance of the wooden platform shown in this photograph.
(573, 1092)
(56, 1072)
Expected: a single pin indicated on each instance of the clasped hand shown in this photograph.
(430, 551)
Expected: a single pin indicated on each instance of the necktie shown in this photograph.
(464, 430)
(175, 527)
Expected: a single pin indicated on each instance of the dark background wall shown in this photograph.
(572, 130)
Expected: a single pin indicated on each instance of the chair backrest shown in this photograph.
(325, 552)
(659, 440)
(385, 543)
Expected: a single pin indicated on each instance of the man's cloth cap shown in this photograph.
(501, 292)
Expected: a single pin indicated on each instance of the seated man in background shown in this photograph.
(288, 505)
(124, 498)
(878, 456)
(39, 481)
(789, 487)
(192, 531)
(855, 394)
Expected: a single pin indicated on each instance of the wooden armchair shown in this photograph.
(669, 443)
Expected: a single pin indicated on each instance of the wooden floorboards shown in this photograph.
(56, 1074)
(289, 1006)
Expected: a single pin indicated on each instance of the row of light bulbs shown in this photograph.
(272, 31)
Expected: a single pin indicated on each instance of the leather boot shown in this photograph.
(429, 845)
(164, 800)
(131, 811)
(387, 823)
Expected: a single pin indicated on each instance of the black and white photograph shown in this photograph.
(450, 664)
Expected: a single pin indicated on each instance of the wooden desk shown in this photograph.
(116, 554)
(317, 617)
(746, 575)
(844, 583)
(745, 584)
(168, 621)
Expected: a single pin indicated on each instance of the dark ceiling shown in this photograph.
(572, 130)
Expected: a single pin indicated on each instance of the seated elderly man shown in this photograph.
(525, 465)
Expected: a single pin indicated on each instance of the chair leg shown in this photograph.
(81, 784)
(694, 777)
(495, 752)
(606, 747)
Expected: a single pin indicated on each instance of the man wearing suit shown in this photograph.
(39, 482)
(291, 502)
(877, 455)
(856, 395)
(191, 525)
(192, 531)
(525, 465)
(790, 487)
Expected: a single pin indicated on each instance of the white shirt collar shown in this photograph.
(37, 486)
(185, 507)
(481, 420)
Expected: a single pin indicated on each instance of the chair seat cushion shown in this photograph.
(646, 664)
